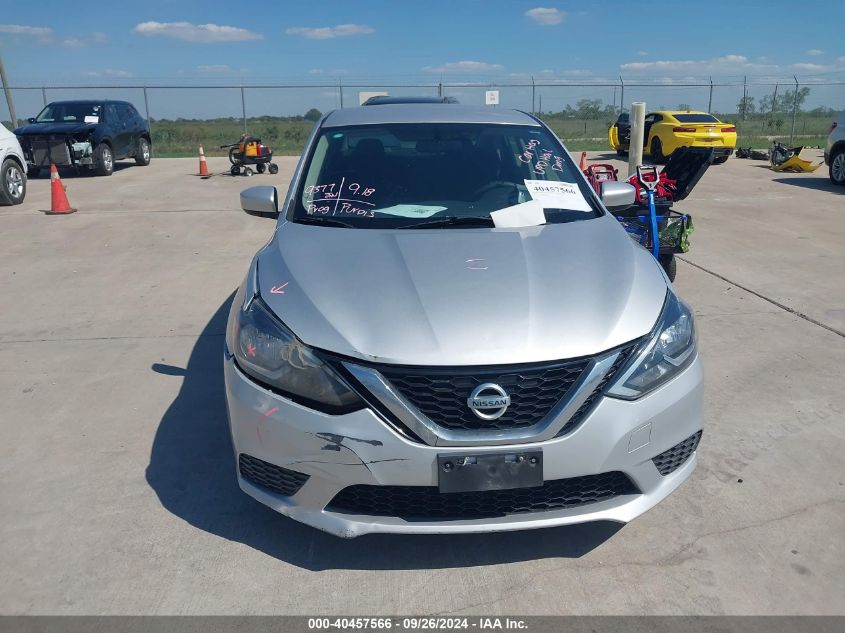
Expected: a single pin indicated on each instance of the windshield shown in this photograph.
(696, 118)
(70, 113)
(402, 175)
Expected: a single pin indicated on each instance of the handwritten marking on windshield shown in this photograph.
(279, 290)
(540, 159)
(475, 263)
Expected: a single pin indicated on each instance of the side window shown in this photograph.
(658, 118)
(125, 112)
(649, 119)
(112, 116)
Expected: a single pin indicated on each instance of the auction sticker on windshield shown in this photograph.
(557, 195)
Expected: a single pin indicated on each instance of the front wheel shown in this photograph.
(103, 160)
(13, 183)
(142, 152)
(657, 156)
(273, 168)
(669, 265)
(837, 167)
(720, 160)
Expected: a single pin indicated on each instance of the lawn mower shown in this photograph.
(652, 214)
(250, 151)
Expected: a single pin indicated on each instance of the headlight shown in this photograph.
(670, 350)
(269, 352)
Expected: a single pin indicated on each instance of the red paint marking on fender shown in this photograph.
(279, 290)
(250, 349)
(271, 412)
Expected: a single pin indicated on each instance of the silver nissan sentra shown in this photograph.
(449, 332)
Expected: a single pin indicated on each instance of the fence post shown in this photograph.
(243, 108)
(440, 89)
(622, 95)
(9, 101)
(774, 102)
(533, 92)
(340, 89)
(710, 102)
(744, 96)
(147, 109)
(794, 110)
(44, 95)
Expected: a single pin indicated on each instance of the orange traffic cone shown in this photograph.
(59, 204)
(203, 164)
(583, 164)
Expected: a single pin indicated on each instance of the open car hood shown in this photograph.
(39, 129)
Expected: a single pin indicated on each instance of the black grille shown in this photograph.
(441, 393)
(585, 409)
(426, 503)
(669, 461)
(270, 476)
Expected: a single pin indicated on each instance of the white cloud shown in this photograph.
(109, 72)
(803, 66)
(214, 68)
(73, 42)
(330, 32)
(546, 17)
(642, 53)
(19, 29)
(202, 33)
(815, 52)
(99, 38)
(464, 67)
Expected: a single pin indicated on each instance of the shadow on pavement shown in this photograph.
(817, 183)
(192, 470)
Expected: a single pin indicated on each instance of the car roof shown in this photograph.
(384, 100)
(674, 112)
(82, 101)
(426, 113)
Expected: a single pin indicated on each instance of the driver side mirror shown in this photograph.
(617, 196)
(261, 201)
(31, 119)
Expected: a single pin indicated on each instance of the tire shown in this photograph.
(235, 170)
(248, 172)
(261, 168)
(12, 183)
(103, 160)
(234, 156)
(143, 152)
(273, 168)
(720, 161)
(837, 167)
(669, 265)
(621, 152)
(657, 156)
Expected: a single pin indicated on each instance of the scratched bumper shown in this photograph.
(358, 448)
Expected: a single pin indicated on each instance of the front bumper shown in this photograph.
(359, 448)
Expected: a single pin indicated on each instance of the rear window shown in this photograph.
(696, 118)
(393, 175)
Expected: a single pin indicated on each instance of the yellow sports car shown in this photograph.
(665, 131)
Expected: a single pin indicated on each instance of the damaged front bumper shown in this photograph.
(60, 150)
(328, 453)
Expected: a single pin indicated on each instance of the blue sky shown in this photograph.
(404, 41)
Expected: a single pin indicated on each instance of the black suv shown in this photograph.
(91, 134)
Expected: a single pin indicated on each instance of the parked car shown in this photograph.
(397, 361)
(89, 134)
(12, 169)
(665, 131)
(834, 150)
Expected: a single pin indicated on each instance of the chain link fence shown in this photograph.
(183, 116)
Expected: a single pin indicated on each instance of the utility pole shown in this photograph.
(9, 101)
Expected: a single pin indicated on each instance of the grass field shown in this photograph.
(181, 138)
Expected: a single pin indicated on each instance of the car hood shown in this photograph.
(462, 296)
(34, 129)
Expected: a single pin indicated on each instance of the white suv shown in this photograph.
(12, 171)
(834, 151)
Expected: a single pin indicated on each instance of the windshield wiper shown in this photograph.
(310, 219)
(451, 221)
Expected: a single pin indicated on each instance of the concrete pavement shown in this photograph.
(117, 486)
